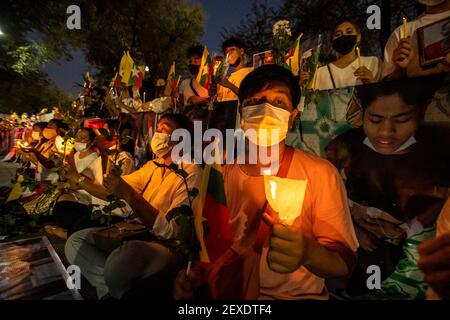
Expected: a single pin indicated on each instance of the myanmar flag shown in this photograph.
(210, 206)
(171, 81)
(126, 67)
(206, 71)
(136, 76)
(293, 59)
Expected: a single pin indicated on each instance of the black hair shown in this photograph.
(181, 120)
(233, 42)
(264, 76)
(61, 125)
(354, 23)
(91, 133)
(113, 125)
(417, 92)
(41, 125)
(196, 50)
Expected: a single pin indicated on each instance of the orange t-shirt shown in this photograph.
(325, 217)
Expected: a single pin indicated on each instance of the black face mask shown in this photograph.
(193, 69)
(344, 44)
(238, 62)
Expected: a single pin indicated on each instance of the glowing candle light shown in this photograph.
(358, 52)
(285, 196)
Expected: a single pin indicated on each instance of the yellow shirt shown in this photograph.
(225, 94)
(164, 192)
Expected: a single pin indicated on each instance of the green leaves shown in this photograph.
(15, 221)
(29, 183)
(184, 217)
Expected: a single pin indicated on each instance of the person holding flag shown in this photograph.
(228, 88)
(151, 192)
(275, 259)
(192, 93)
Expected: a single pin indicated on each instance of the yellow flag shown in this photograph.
(17, 190)
(294, 61)
(170, 84)
(126, 67)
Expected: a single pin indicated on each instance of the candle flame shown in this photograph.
(273, 189)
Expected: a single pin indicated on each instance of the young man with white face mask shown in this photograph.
(151, 192)
(295, 259)
(401, 55)
(234, 49)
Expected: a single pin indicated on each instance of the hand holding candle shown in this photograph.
(285, 196)
(288, 249)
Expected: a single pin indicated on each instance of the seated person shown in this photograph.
(193, 94)
(401, 54)
(295, 259)
(37, 141)
(119, 150)
(48, 150)
(84, 172)
(394, 168)
(151, 192)
(345, 71)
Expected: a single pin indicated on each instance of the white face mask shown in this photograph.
(80, 146)
(270, 123)
(160, 144)
(431, 3)
(36, 136)
(408, 143)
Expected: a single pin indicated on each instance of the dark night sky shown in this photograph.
(220, 13)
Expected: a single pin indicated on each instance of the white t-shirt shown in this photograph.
(414, 69)
(344, 77)
(91, 167)
(225, 94)
(187, 92)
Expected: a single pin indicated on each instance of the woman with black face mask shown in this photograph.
(347, 70)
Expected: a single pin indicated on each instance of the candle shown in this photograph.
(358, 52)
(285, 196)
(405, 28)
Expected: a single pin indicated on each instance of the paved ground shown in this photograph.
(7, 171)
